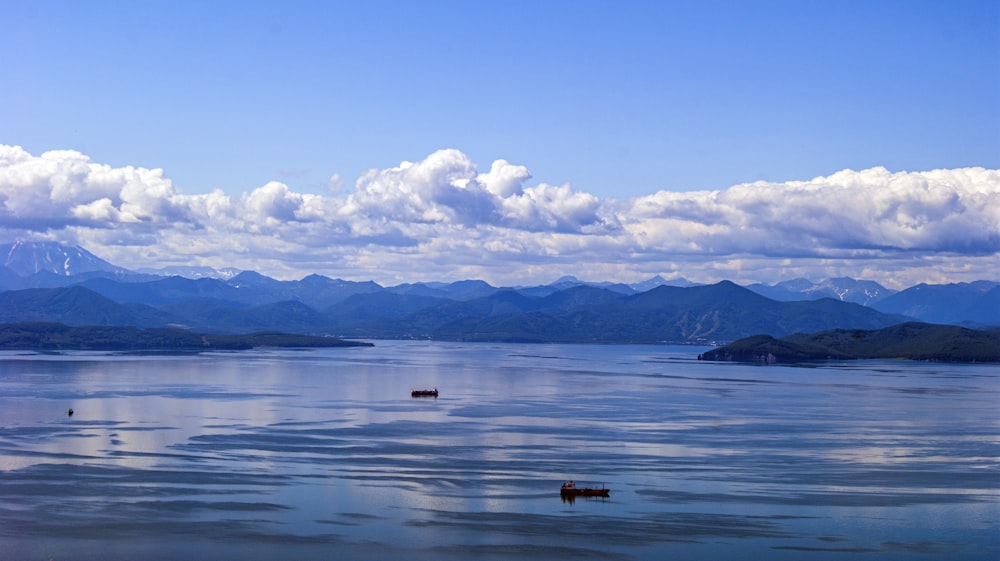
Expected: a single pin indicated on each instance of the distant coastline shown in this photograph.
(56, 336)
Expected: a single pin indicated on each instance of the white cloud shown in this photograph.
(273, 203)
(504, 179)
(62, 187)
(850, 211)
(440, 189)
(442, 218)
(547, 207)
(97, 212)
(334, 184)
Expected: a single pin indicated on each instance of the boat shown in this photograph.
(571, 490)
(424, 393)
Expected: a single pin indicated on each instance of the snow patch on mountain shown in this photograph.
(27, 258)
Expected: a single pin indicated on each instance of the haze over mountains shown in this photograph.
(48, 282)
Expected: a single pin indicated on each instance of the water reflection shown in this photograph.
(289, 453)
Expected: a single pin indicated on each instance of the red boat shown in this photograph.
(571, 490)
(424, 393)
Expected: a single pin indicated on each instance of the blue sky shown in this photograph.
(616, 100)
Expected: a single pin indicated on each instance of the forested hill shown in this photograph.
(915, 341)
(54, 336)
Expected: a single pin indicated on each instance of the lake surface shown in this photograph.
(323, 454)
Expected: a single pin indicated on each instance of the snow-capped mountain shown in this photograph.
(194, 272)
(845, 289)
(29, 258)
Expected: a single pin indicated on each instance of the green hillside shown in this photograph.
(914, 341)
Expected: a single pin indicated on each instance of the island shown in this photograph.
(912, 341)
(58, 337)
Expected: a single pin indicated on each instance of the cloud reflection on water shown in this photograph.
(314, 451)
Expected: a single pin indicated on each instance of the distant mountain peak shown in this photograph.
(797, 285)
(566, 280)
(658, 280)
(28, 258)
(845, 289)
(251, 279)
(193, 272)
(316, 278)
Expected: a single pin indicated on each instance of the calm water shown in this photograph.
(323, 454)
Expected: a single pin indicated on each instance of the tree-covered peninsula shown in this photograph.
(913, 341)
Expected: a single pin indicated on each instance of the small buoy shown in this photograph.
(69, 413)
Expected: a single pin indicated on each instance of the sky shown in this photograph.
(511, 141)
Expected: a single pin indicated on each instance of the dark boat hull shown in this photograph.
(424, 393)
(584, 492)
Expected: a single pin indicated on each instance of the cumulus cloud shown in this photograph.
(444, 218)
(547, 207)
(440, 189)
(850, 212)
(504, 179)
(65, 188)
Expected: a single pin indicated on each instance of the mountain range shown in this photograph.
(48, 282)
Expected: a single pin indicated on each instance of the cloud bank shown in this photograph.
(443, 218)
